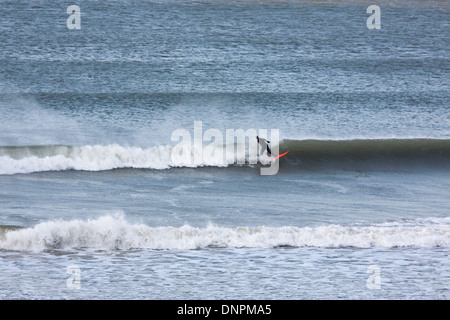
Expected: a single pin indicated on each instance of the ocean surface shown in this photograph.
(118, 179)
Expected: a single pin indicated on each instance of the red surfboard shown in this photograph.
(279, 156)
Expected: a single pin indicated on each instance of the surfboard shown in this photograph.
(281, 155)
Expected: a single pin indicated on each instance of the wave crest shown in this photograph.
(303, 155)
(114, 232)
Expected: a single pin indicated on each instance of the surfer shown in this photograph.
(264, 145)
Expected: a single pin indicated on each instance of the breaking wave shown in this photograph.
(30, 159)
(303, 155)
(113, 232)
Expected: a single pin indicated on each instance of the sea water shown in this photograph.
(93, 204)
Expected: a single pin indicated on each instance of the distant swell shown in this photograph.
(303, 155)
(115, 233)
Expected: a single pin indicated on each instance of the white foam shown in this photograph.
(114, 232)
(105, 157)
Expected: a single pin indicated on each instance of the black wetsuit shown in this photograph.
(264, 145)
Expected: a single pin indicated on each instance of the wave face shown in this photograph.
(367, 153)
(366, 148)
(115, 233)
(303, 155)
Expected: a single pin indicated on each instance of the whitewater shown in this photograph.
(28, 159)
(113, 232)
